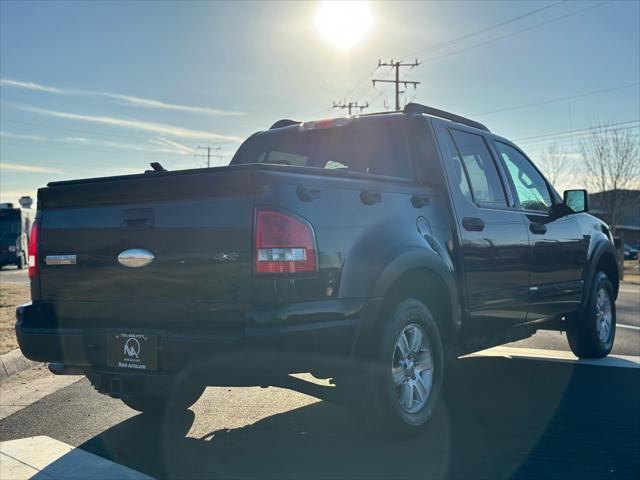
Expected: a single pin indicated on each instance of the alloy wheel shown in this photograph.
(412, 368)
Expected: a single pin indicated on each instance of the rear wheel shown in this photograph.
(156, 404)
(21, 263)
(591, 333)
(402, 390)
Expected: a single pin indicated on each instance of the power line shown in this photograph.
(456, 40)
(570, 132)
(570, 137)
(478, 32)
(557, 99)
(453, 41)
(350, 106)
(500, 37)
(375, 99)
(397, 81)
(507, 35)
(539, 146)
(361, 82)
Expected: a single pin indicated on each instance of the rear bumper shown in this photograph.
(281, 340)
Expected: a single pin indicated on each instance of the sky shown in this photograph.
(103, 88)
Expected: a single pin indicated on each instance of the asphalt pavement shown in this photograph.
(627, 332)
(500, 417)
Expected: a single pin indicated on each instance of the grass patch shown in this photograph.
(631, 272)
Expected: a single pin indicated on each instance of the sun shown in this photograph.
(343, 24)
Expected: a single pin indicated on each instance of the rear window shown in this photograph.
(378, 148)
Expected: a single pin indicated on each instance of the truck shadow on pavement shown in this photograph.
(499, 418)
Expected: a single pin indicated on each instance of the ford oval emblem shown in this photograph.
(136, 258)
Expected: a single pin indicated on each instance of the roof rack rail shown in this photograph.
(285, 122)
(417, 108)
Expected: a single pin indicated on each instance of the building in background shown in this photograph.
(627, 226)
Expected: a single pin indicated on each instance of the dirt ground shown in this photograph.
(11, 295)
(632, 272)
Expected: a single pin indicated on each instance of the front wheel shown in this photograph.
(591, 334)
(403, 387)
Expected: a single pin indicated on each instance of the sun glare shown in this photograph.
(343, 24)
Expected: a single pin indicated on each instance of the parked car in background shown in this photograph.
(364, 249)
(630, 253)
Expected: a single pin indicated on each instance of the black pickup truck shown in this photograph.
(368, 250)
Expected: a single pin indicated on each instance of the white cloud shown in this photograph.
(123, 99)
(167, 145)
(20, 136)
(5, 82)
(119, 145)
(164, 142)
(138, 125)
(14, 167)
(149, 103)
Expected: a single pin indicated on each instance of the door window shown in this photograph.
(459, 179)
(480, 169)
(531, 189)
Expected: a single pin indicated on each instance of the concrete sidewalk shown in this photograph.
(45, 458)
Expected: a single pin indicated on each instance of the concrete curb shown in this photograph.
(14, 362)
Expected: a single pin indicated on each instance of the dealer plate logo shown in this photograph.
(132, 348)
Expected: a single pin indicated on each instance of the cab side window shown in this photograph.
(530, 187)
(480, 169)
(459, 179)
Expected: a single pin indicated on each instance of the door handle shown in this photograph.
(538, 228)
(369, 198)
(473, 224)
(419, 201)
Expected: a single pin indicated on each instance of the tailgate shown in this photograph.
(197, 225)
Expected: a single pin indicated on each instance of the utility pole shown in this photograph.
(350, 105)
(209, 154)
(397, 81)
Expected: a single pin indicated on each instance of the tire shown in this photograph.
(157, 404)
(401, 391)
(20, 263)
(592, 332)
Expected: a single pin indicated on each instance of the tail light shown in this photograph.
(33, 249)
(284, 243)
